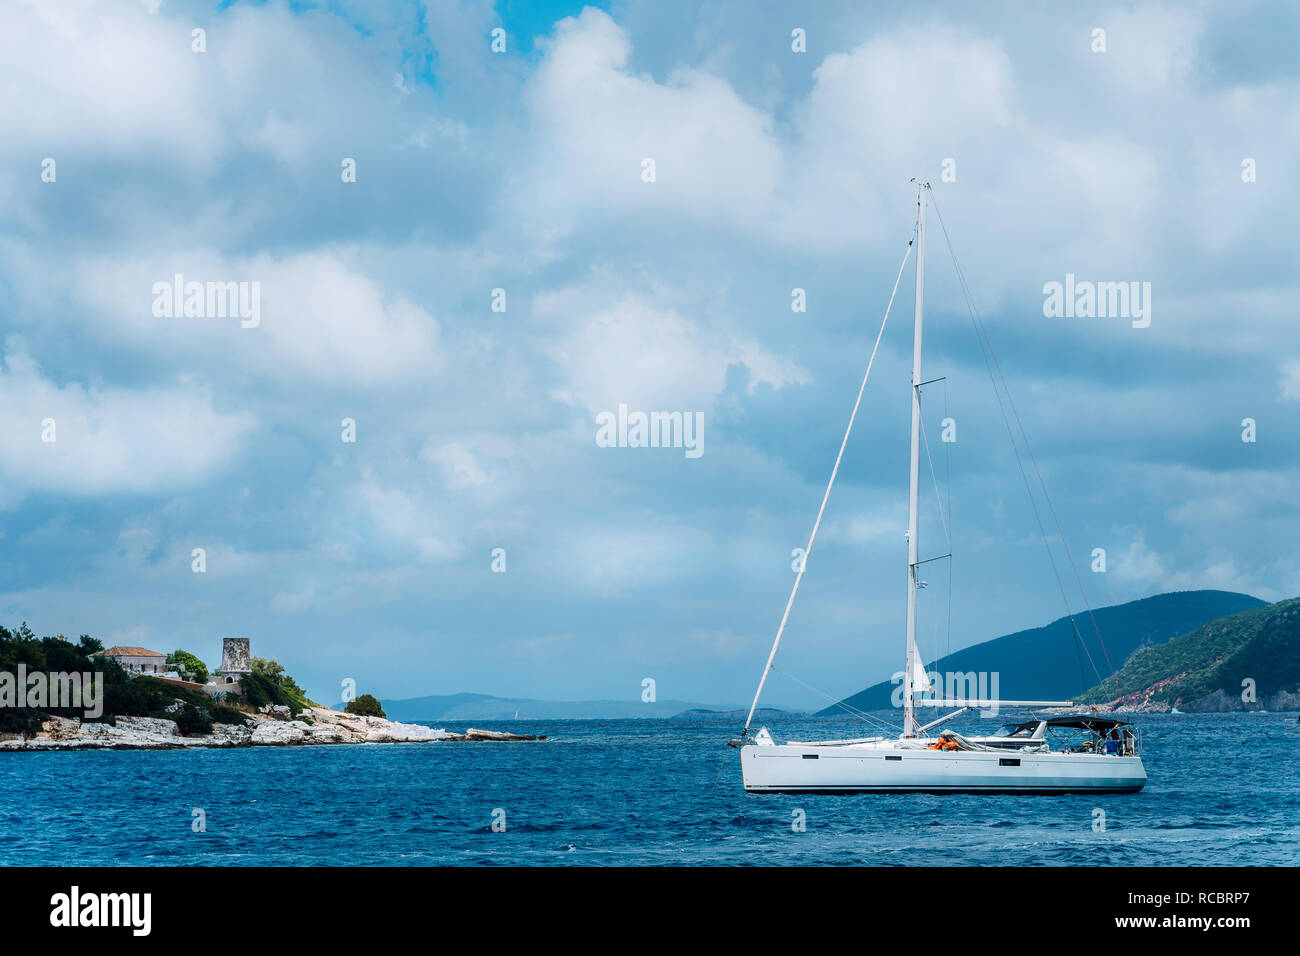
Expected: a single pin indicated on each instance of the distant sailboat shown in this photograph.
(1019, 759)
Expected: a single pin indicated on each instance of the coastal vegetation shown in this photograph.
(124, 695)
(367, 705)
(1244, 661)
(101, 705)
(258, 690)
(275, 672)
(21, 647)
(270, 685)
(188, 666)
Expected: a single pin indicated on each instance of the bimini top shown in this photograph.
(1093, 722)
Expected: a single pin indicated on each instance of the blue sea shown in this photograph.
(1223, 789)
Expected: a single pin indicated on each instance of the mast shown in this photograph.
(767, 669)
(914, 664)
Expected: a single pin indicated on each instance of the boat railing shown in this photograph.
(1132, 742)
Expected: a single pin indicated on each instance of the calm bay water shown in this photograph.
(1222, 790)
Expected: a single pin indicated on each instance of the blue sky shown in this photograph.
(522, 171)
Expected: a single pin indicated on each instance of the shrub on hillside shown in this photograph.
(191, 721)
(188, 666)
(260, 690)
(367, 705)
(227, 715)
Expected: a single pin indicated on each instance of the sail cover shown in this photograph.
(920, 679)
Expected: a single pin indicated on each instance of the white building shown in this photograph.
(136, 660)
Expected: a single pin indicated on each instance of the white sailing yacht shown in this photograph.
(1026, 757)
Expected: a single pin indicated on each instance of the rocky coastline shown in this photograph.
(275, 727)
(1219, 702)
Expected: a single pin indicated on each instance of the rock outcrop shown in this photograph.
(318, 725)
(1218, 702)
(472, 734)
(131, 733)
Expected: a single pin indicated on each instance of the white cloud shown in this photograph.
(1144, 571)
(132, 91)
(877, 110)
(651, 357)
(632, 557)
(882, 526)
(109, 440)
(460, 469)
(404, 518)
(714, 154)
(1291, 380)
(835, 175)
(1148, 51)
(1141, 567)
(320, 316)
(286, 141)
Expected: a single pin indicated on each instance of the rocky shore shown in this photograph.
(1218, 702)
(275, 728)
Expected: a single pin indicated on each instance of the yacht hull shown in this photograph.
(795, 768)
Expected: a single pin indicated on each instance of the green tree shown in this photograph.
(365, 706)
(274, 671)
(90, 645)
(124, 695)
(189, 666)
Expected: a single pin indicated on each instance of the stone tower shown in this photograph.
(235, 660)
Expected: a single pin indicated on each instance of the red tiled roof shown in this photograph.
(128, 652)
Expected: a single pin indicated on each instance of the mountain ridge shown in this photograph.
(1044, 662)
(1244, 661)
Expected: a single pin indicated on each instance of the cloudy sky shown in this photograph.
(1169, 157)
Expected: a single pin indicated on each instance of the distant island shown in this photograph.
(1241, 662)
(1047, 663)
(487, 707)
(763, 713)
(59, 695)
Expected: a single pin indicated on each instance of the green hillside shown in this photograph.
(1205, 669)
(1043, 663)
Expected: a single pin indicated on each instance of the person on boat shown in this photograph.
(1112, 742)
